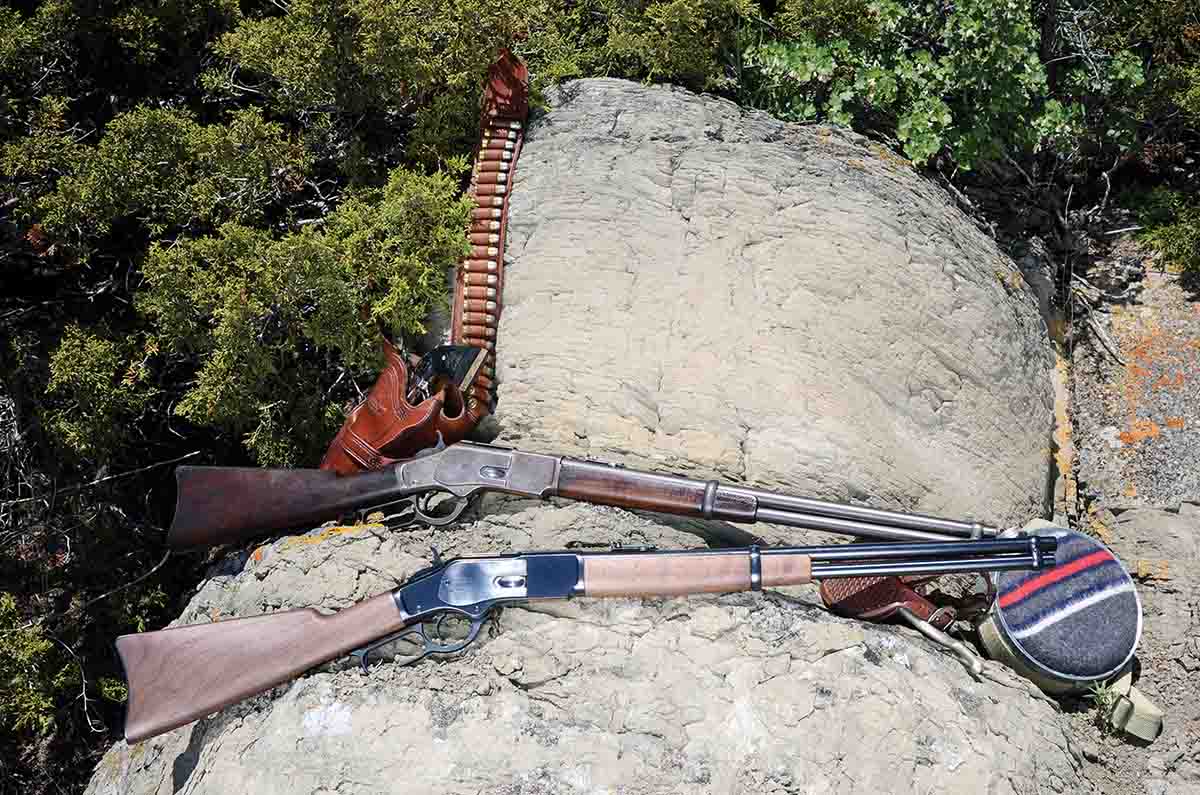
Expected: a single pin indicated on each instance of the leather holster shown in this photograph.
(385, 428)
(880, 598)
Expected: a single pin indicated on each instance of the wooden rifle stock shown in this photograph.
(181, 674)
(219, 505)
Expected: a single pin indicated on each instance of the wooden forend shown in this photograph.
(653, 574)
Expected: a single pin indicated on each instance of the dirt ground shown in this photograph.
(1136, 436)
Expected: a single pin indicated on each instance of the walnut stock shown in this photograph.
(181, 674)
(221, 505)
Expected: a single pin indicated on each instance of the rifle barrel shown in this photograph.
(1040, 545)
(858, 519)
(905, 568)
(849, 527)
(604, 484)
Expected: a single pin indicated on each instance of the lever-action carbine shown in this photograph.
(219, 505)
(178, 675)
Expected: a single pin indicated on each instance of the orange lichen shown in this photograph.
(1157, 360)
(1166, 381)
(1101, 531)
(1152, 569)
(1064, 447)
(328, 533)
(1140, 429)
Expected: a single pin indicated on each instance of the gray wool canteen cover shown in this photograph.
(1070, 626)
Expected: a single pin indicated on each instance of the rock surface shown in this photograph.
(1162, 550)
(698, 288)
(740, 693)
(692, 288)
(1137, 429)
(1139, 422)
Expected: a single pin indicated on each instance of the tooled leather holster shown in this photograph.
(385, 427)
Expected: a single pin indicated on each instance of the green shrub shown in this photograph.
(100, 385)
(170, 173)
(428, 59)
(16, 38)
(1185, 91)
(1172, 226)
(684, 41)
(265, 319)
(32, 163)
(965, 79)
(31, 673)
(301, 53)
(854, 21)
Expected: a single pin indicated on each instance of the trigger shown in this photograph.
(360, 657)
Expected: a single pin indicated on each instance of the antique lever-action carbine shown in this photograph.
(219, 505)
(178, 675)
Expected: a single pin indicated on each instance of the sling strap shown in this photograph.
(1134, 713)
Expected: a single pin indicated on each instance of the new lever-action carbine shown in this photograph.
(219, 505)
(178, 675)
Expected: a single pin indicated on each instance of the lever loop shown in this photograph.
(417, 633)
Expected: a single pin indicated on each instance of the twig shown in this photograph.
(43, 619)
(83, 683)
(82, 486)
(1020, 170)
(1102, 335)
(129, 584)
(1095, 295)
(1126, 229)
(1108, 182)
(337, 381)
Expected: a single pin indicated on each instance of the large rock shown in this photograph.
(699, 288)
(741, 693)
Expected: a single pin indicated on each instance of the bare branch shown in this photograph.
(97, 481)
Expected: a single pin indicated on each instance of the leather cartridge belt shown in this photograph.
(479, 279)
